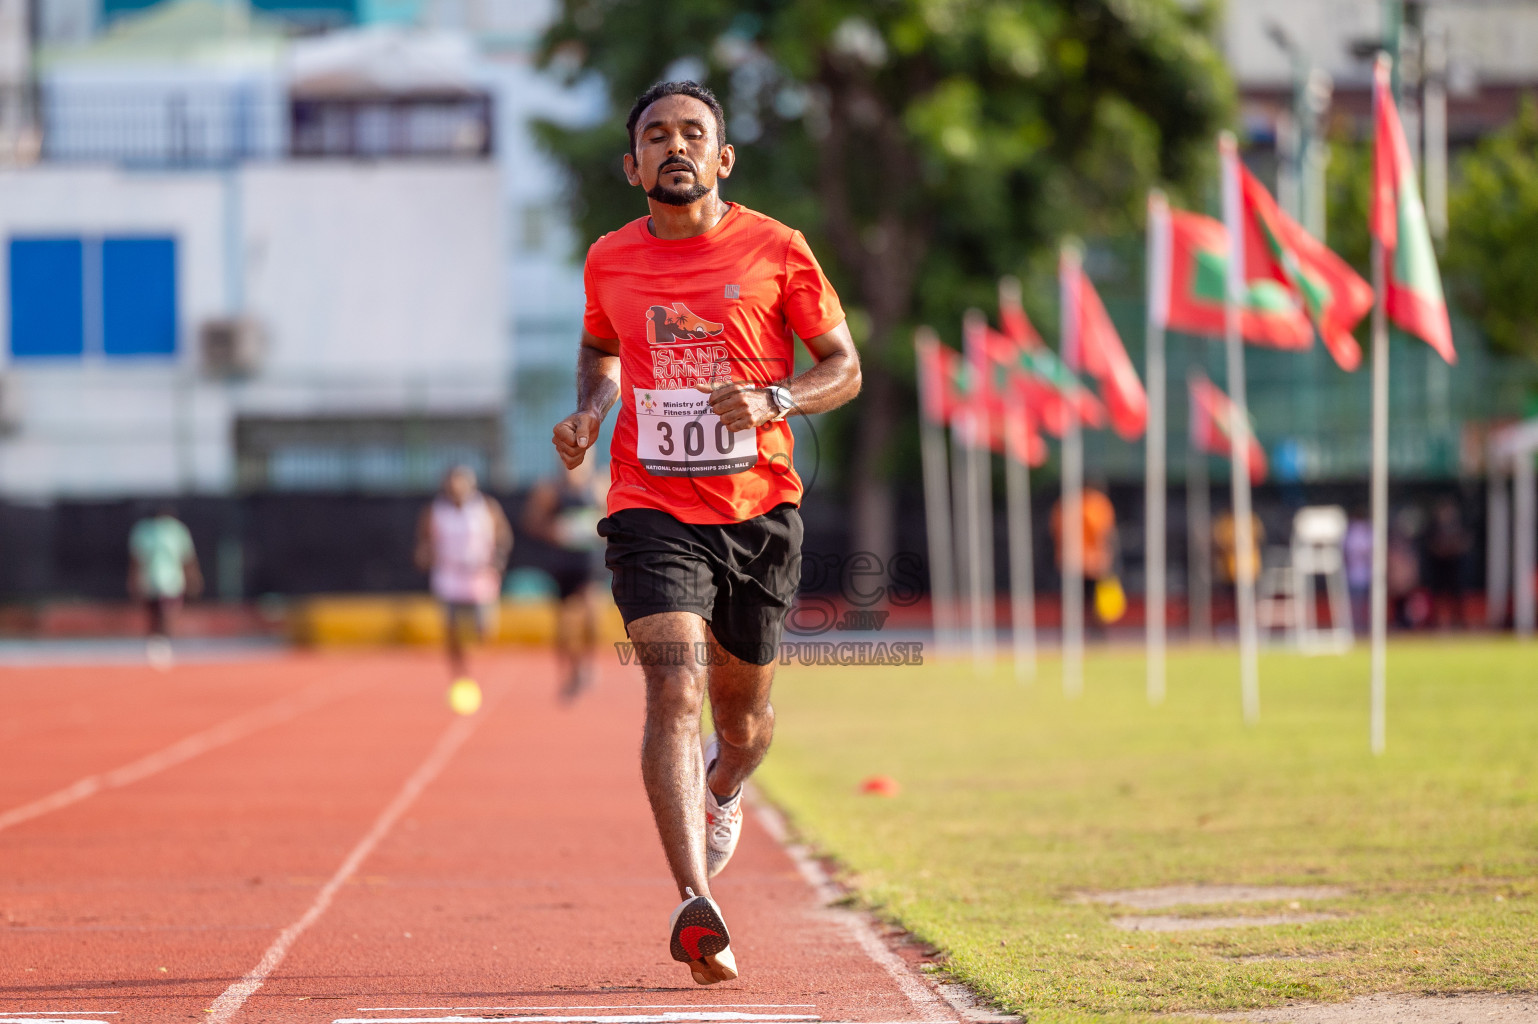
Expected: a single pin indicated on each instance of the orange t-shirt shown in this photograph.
(1099, 525)
(693, 312)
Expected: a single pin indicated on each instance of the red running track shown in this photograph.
(316, 838)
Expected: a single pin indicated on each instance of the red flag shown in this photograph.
(1019, 438)
(990, 393)
(1100, 354)
(1411, 282)
(1012, 317)
(1046, 383)
(1211, 410)
(1276, 246)
(938, 368)
(1197, 272)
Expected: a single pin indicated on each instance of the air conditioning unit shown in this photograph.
(231, 347)
(10, 404)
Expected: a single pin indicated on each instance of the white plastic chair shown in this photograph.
(1318, 534)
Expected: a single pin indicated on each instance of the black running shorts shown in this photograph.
(739, 577)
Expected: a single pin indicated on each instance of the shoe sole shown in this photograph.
(700, 939)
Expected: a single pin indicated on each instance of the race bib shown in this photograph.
(678, 435)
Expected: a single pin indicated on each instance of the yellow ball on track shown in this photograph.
(465, 697)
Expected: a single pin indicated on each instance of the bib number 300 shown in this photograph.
(678, 435)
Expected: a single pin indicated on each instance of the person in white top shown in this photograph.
(463, 541)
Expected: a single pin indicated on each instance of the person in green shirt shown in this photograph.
(163, 569)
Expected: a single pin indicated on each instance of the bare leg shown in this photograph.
(743, 717)
(671, 766)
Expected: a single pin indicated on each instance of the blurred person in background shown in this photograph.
(1356, 550)
(1447, 546)
(563, 512)
(163, 569)
(1408, 604)
(691, 319)
(463, 542)
(1098, 525)
(1225, 540)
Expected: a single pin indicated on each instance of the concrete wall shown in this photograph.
(1494, 42)
(380, 287)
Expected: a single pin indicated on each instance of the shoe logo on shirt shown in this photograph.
(676, 325)
(734, 291)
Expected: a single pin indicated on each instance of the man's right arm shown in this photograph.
(597, 391)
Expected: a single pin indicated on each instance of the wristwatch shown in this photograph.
(779, 397)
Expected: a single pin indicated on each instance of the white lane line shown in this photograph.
(183, 750)
(55, 1020)
(590, 1006)
(636, 1018)
(234, 997)
(929, 1006)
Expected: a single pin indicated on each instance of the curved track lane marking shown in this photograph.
(183, 750)
(929, 1006)
(454, 737)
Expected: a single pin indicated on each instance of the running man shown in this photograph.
(562, 512)
(163, 569)
(688, 328)
(463, 540)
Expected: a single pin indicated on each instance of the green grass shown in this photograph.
(1014, 798)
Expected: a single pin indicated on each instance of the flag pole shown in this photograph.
(1378, 716)
(982, 481)
(1379, 723)
(1198, 537)
(1156, 482)
(1071, 506)
(1238, 437)
(963, 437)
(1022, 584)
(937, 512)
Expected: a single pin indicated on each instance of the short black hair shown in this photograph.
(661, 89)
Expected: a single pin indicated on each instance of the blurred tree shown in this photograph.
(1493, 246)
(1348, 194)
(923, 146)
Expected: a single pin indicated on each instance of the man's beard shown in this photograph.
(678, 195)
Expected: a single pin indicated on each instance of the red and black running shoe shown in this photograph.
(698, 937)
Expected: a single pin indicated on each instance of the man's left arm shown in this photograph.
(827, 384)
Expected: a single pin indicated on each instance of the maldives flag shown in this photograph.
(1049, 388)
(1190, 274)
(1412, 285)
(995, 390)
(1096, 348)
(1211, 410)
(1015, 433)
(1277, 248)
(939, 372)
(1012, 317)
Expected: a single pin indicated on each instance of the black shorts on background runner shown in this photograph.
(740, 577)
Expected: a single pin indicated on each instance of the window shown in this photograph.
(138, 296)
(47, 297)
(71, 297)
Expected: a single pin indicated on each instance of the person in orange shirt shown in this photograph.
(688, 329)
(1099, 527)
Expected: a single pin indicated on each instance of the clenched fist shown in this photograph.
(573, 436)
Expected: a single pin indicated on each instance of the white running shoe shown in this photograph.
(697, 936)
(723, 824)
